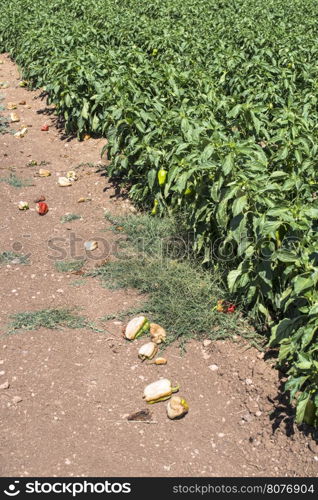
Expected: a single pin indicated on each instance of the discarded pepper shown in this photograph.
(148, 351)
(157, 333)
(136, 327)
(159, 391)
(42, 208)
(177, 407)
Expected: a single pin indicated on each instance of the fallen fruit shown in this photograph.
(45, 128)
(21, 133)
(42, 208)
(23, 83)
(14, 117)
(136, 327)
(159, 391)
(157, 333)
(71, 175)
(90, 245)
(225, 307)
(44, 173)
(177, 407)
(23, 205)
(160, 361)
(86, 137)
(148, 351)
(64, 181)
(11, 105)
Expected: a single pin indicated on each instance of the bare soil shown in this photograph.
(77, 387)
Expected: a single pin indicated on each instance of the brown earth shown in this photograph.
(76, 387)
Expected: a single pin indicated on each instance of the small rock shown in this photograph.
(2, 372)
(16, 399)
(5, 385)
(22, 103)
(206, 355)
(248, 417)
(90, 245)
(206, 342)
(213, 368)
(248, 381)
(221, 435)
(260, 355)
(258, 413)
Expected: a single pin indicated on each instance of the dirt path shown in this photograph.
(76, 386)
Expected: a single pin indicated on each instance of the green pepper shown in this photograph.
(162, 176)
(188, 191)
(155, 205)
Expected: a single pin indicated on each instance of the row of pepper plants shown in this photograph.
(210, 110)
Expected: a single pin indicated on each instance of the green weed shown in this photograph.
(68, 266)
(15, 181)
(9, 257)
(69, 218)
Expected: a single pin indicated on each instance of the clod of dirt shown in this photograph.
(5, 385)
(39, 199)
(11, 105)
(143, 415)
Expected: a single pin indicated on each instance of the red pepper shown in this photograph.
(42, 208)
(231, 308)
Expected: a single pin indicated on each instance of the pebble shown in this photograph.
(248, 381)
(206, 355)
(2, 372)
(213, 368)
(5, 385)
(221, 435)
(16, 399)
(206, 342)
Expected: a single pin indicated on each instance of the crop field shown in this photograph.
(210, 110)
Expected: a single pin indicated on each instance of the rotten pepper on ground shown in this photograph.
(42, 208)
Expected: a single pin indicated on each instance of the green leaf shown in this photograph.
(239, 204)
(228, 164)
